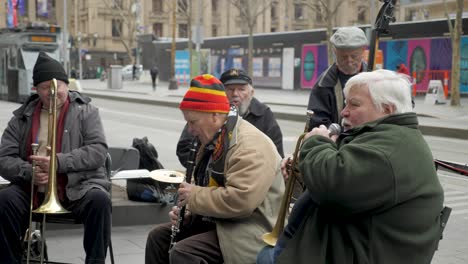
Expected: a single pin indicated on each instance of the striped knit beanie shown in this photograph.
(206, 94)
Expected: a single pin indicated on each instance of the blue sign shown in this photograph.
(182, 67)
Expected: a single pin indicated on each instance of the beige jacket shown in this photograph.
(248, 205)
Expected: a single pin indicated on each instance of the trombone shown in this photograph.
(272, 237)
(51, 204)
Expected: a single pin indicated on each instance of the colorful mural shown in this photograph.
(464, 65)
(314, 61)
(429, 57)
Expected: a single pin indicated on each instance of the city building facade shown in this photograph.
(106, 31)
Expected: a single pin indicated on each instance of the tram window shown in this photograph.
(13, 58)
(2, 68)
(20, 62)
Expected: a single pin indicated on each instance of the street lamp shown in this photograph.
(80, 65)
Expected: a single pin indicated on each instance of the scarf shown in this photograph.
(210, 170)
(61, 177)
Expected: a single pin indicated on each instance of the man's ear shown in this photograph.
(389, 109)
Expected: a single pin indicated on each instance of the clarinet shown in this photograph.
(175, 229)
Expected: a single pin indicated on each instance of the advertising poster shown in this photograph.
(464, 65)
(313, 62)
(419, 52)
(237, 63)
(203, 60)
(257, 65)
(42, 8)
(182, 67)
(274, 67)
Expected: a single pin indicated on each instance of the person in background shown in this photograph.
(134, 69)
(401, 68)
(82, 183)
(154, 71)
(373, 194)
(238, 185)
(240, 93)
(326, 97)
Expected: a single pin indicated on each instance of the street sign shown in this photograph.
(435, 93)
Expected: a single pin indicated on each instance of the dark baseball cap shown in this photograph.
(235, 76)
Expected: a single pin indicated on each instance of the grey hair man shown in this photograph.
(326, 97)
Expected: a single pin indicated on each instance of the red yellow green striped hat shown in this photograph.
(206, 94)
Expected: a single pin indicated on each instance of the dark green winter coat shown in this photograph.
(376, 197)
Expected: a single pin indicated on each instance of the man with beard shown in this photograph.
(326, 97)
(240, 93)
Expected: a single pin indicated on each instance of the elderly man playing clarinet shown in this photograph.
(238, 188)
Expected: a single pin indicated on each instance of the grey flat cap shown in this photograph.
(348, 38)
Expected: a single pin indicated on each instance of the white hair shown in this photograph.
(385, 88)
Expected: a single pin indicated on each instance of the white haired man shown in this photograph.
(373, 195)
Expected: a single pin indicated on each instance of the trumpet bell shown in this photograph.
(270, 238)
(167, 176)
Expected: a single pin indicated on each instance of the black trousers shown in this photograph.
(199, 245)
(94, 209)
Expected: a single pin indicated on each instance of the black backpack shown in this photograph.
(147, 189)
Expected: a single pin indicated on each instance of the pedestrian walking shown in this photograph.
(154, 75)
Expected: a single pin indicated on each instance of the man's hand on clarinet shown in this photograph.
(184, 191)
(174, 215)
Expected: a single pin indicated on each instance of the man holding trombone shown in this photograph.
(82, 185)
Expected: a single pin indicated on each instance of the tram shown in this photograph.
(19, 48)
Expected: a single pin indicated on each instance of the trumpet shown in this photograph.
(51, 204)
(293, 173)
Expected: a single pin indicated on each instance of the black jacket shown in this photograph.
(323, 99)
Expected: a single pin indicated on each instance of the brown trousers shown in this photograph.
(199, 245)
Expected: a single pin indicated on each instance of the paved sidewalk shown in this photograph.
(129, 241)
(437, 120)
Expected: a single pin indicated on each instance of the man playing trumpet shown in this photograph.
(238, 185)
(82, 184)
(373, 195)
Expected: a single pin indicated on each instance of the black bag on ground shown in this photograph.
(147, 190)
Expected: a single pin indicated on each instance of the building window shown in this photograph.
(214, 5)
(361, 18)
(183, 31)
(117, 3)
(182, 6)
(157, 6)
(274, 13)
(214, 31)
(116, 27)
(273, 30)
(158, 29)
(298, 11)
(318, 13)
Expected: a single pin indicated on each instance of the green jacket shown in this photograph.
(376, 197)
